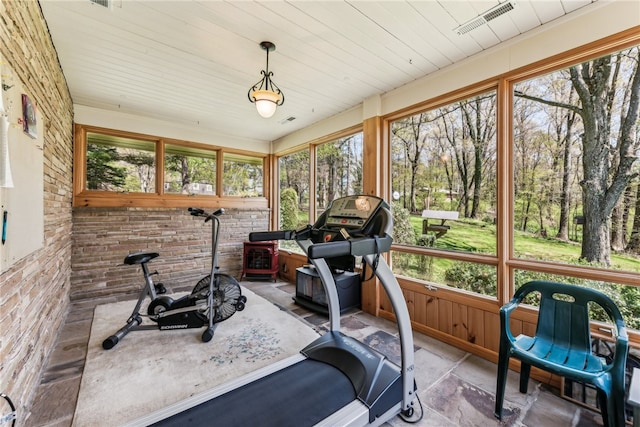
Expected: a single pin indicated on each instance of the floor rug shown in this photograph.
(149, 370)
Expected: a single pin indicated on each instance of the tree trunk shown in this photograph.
(595, 231)
(619, 221)
(184, 172)
(603, 183)
(634, 240)
(565, 202)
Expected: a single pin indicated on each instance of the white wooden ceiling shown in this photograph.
(193, 62)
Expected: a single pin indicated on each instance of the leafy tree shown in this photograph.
(288, 209)
(294, 173)
(190, 169)
(142, 165)
(102, 170)
(403, 232)
(242, 179)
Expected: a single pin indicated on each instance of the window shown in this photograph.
(443, 166)
(294, 189)
(294, 194)
(120, 164)
(242, 175)
(625, 297)
(189, 170)
(338, 170)
(576, 170)
(117, 168)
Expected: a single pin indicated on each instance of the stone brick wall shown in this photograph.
(102, 237)
(34, 293)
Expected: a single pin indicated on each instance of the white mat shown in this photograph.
(149, 370)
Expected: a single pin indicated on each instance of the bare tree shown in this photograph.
(412, 135)
(595, 82)
(607, 160)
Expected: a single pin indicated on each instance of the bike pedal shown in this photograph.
(160, 289)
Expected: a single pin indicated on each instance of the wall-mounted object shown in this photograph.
(6, 178)
(29, 125)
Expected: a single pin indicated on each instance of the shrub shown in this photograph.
(288, 209)
(403, 232)
(472, 277)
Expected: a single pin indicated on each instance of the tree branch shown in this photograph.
(547, 101)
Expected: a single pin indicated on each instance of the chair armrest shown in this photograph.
(622, 346)
(505, 313)
(509, 307)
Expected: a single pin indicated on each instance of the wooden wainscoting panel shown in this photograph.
(409, 297)
(445, 316)
(491, 331)
(432, 310)
(460, 322)
(475, 326)
(420, 308)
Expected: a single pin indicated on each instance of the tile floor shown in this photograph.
(455, 388)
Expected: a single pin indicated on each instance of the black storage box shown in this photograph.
(310, 291)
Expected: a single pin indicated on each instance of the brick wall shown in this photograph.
(34, 293)
(102, 237)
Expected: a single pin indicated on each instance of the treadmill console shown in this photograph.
(346, 218)
(351, 212)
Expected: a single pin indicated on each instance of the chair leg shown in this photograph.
(607, 409)
(621, 410)
(525, 370)
(503, 368)
(615, 412)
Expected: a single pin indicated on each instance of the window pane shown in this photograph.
(339, 170)
(294, 194)
(444, 175)
(294, 190)
(120, 164)
(243, 175)
(576, 149)
(189, 170)
(626, 297)
(478, 278)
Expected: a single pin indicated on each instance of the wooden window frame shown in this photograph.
(311, 146)
(82, 197)
(504, 259)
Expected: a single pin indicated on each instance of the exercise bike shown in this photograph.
(215, 297)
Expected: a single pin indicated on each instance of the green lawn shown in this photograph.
(470, 235)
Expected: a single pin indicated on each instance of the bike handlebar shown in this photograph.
(200, 212)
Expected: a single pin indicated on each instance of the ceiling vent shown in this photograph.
(487, 16)
(103, 3)
(288, 119)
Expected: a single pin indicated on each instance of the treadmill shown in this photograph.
(336, 380)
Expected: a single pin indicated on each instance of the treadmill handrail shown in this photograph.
(359, 246)
(263, 236)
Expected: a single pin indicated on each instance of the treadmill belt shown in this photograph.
(299, 395)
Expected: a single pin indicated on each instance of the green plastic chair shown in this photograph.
(562, 345)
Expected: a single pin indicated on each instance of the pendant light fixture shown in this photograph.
(266, 94)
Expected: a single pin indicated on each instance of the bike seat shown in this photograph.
(140, 257)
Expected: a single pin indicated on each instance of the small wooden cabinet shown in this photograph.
(260, 260)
